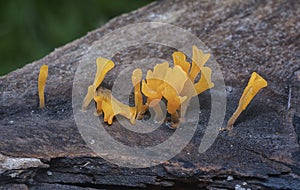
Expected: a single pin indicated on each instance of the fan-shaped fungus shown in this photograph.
(255, 84)
(41, 84)
(198, 60)
(180, 59)
(154, 84)
(174, 82)
(103, 66)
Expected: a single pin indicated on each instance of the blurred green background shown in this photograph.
(30, 29)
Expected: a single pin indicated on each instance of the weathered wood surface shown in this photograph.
(42, 149)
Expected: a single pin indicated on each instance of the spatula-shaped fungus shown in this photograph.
(103, 66)
(41, 84)
(180, 59)
(255, 84)
(153, 86)
(174, 82)
(198, 61)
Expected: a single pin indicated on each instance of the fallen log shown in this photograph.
(43, 149)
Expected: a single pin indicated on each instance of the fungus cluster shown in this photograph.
(105, 101)
(163, 82)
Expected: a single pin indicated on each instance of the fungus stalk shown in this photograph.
(175, 119)
(205, 81)
(255, 84)
(159, 114)
(138, 97)
(41, 84)
(175, 80)
(98, 99)
(89, 96)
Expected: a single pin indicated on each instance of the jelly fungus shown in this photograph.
(41, 84)
(255, 84)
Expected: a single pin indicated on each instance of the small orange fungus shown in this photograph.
(174, 82)
(138, 97)
(103, 66)
(180, 60)
(255, 84)
(198, 61)
(153, 86)
(41, 84)
(111, 107)
(205, 81)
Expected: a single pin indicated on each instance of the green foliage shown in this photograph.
(33, 28)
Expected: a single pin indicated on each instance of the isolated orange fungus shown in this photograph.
(255, 84)
(41, 84)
